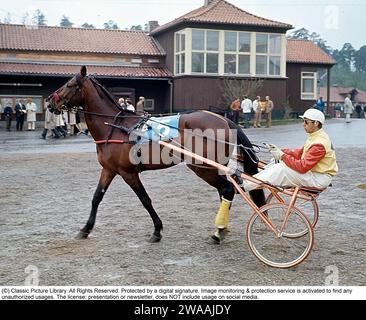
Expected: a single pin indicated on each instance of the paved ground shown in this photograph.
(46, 188)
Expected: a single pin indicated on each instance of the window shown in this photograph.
(308, 85)
(237, 52)
(224, 52)
(149, 104)
(205, 47)
(268, 54)
(180, 47)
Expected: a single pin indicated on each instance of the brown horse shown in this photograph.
(116, 143)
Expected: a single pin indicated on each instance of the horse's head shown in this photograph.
(69, 95)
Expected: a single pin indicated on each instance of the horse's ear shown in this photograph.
(83, 71)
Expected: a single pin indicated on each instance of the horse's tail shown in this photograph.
(250, 160)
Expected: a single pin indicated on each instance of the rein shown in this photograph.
(121, 115)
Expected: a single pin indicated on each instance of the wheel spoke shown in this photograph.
(284, 251)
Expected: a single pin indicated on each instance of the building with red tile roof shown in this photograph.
(177, 66)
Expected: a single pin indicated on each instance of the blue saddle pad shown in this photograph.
(159, 128)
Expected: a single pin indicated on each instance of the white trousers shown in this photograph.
(31, 125)
(348, 117)
(279, 174)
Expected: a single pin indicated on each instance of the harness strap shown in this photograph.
(113, 141)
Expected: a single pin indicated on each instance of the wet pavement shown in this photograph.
(343, 135)
(46, 192)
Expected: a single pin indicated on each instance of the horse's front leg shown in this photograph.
(105, 180)
(133, 180)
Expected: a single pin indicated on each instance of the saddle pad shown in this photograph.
(159, 128)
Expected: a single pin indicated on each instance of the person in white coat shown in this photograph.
(258, 112)
(247, 106)
(31, 108)
(348, 108)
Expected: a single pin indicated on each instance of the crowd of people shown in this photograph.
(126, 104)
(258, 109)
(243, 111)
(347, 108)
(55, 125)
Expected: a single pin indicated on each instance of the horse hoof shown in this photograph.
(154, 238)
(214, 240)
(82, 235)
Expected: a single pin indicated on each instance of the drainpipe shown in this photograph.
(328, 94)
(170, 82)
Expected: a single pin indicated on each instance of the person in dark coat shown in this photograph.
(8, 111)
(358, 110)
(20, 112)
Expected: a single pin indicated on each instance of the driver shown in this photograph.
(313, 165)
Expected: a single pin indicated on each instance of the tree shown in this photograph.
(25, 18)
(7, 18)
(65, 22)
(360, 59)
(314, 37)
(300, 34)
(136, 28)
(345, 56)
(232, 88)
(38, 18)
(110, 25)
(87, 25)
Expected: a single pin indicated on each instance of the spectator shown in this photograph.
(358, 110)
(235, 109)
(348, 108)
(320, 105)
(338, 110)
(247, 107)
(72, 122)
(268, 111)
(364, 110)
(8, 112)
(20, 111)
(49, 124)
(122, 103)
(140, 106)
(129, 105)
(258, 112)
(31, 114)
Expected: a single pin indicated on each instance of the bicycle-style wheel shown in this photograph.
(309, 207)
(280, 251)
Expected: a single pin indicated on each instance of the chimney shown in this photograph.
(207, 2)
(153, 25)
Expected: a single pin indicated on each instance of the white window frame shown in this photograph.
(314, 77)
(221, 54)
(205, 52)
(178, 54)
(269, 55)
(238, 53)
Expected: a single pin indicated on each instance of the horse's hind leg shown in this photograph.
(133, 180)
(226, 192)
(105, 180)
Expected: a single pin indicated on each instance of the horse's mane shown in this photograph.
(110, 97)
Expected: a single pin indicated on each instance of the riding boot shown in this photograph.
(222, 220)
(44, 133)
(62, 131)
(56, 133)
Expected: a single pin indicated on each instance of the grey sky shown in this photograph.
(336, 21)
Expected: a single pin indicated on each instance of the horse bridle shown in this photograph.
(65, 102)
